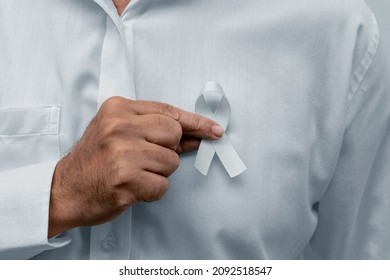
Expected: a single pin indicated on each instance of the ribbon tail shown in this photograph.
(228, 156)
(204, 157)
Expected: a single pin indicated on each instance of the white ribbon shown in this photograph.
(222, 147)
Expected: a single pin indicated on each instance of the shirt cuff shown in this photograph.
(24, 211)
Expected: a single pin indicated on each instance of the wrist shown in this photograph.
(58, 206)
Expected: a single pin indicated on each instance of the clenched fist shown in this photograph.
(125, 155)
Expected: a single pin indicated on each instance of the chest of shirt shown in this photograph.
(276, 128)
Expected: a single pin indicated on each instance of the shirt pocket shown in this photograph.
(28, 135)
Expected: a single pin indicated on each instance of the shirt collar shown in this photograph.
(109, 7)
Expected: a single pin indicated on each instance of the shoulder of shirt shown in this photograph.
(344, 20)
(345, 29)
(343, 16)
(336, 15)
(342, 23)
(350, 24)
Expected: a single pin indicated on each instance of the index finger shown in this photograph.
(192, 124)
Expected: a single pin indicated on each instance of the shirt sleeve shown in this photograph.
(354, 212)
(24, 211)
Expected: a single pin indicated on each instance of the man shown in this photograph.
(310, 108)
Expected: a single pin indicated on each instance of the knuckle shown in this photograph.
(151, 121)
(115, 125)
(121, 169)
(157, 190)
(117, 173)
(177, 130)
(124, 154)
(125, 201)
(170, 111)
(173, 129)
(163, 186)
(123, 183)
(121, 175)
(112, 103)
(197, 124)
(159, 120)
(119, 126)
(174, 160)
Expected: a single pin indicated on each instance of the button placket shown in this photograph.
(115, 79)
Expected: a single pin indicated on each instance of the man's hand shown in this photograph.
(125, 155)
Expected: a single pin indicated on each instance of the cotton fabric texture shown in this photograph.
(308, 85)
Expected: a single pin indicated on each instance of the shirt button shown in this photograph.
(109, 243)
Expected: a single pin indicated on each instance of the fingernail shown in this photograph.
(217, 130)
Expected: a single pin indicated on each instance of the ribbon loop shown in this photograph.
(222, 147)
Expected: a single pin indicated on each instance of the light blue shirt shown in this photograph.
(309, 92)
